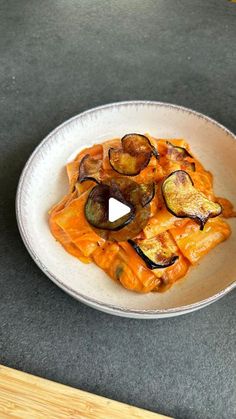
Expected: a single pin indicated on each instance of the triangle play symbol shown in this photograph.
(116, 209)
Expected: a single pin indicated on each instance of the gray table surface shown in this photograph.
(58, 58)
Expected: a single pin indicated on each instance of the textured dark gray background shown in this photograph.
(57, 59)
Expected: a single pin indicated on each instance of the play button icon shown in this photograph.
(116, 209)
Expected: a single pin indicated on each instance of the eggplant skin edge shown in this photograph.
(182, 148)
(151, 195)
(89, 178)
(84, 178)
(198, 220)
(150, 264)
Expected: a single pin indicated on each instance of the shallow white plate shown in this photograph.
(43, 183)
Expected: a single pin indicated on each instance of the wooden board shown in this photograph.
(25, 396)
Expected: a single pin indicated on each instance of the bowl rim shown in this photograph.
(106, 307)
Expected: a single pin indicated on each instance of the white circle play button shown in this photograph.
(116, 209)
(119, 209)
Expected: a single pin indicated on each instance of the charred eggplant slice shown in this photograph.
(136, 194)
(133, 156)
(184, 201)
(177, 153)
(97, 206)
(180, 154)
(157, 252)
(130, 143)
(125, 190)
(89, 169)
(147, 192)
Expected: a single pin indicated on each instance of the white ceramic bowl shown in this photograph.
(43, 182)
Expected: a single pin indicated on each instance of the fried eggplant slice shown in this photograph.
(177, 153)
(133, 156)
(157, 252)
(137, 194)
(97, 208)
(183, 200)
(180, 154)
(130, 143)
(147, 192)
(89, 169)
